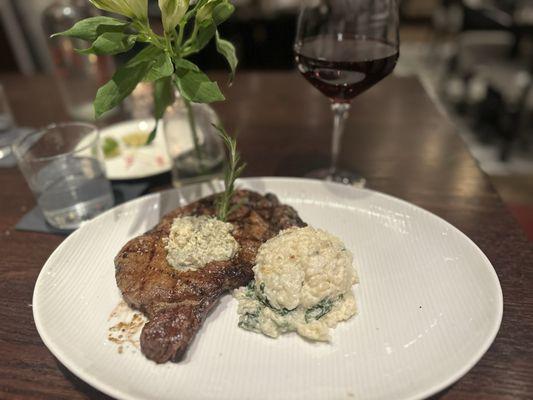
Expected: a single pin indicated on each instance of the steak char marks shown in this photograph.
(177, 302)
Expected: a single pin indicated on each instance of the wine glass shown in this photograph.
(344, 47)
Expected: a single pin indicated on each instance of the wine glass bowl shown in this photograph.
(343, 48)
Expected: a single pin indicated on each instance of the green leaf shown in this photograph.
(227, 49)
(161, 68)
(183, 65)
(119, 87)
(111, 43)
(163, 96)
(89, 29)
(161, 62)
(147, 54)
(196, 86)
(206, 31)
(153, 133)
(222, 12)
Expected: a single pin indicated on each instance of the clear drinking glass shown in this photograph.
(7, 124)
(64, 167)
(344, 47)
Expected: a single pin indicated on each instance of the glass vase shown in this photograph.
(194, 147)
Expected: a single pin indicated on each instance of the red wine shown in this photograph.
(344, 67)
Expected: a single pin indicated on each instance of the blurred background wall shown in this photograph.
(23, 34)
(262, 30)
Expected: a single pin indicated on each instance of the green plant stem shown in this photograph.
(191, 40)
(187, 53)
(194, 32)
(168, 42)
(196, 141)
(145, 29)
(179, 39)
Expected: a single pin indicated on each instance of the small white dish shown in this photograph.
(136, 162)
(430, 305)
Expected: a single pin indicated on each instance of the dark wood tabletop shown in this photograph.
(396, 137)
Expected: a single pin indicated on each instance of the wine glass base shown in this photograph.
(338, 176)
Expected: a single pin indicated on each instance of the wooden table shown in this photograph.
(396, 137)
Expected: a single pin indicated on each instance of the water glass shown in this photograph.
(64, 167)
(7, 132)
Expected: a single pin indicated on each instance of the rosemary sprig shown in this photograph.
(233, 170)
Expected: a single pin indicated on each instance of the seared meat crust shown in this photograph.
(177, 302)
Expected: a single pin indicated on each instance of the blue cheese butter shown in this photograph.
(193, 242)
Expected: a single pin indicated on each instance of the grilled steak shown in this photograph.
(177, 302)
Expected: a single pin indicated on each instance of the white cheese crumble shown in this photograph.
(303, 280)
(194, 242)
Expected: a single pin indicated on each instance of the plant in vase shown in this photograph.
(187, 28)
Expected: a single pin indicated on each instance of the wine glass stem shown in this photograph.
(340, 114)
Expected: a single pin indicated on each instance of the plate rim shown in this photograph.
(422, 394)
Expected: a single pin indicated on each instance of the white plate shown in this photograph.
(139, 162)
(430, 305)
